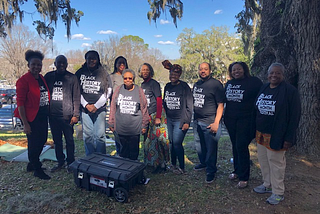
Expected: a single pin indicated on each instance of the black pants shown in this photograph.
(37, 139)
(58, 127)
(129, 146)
(240, 132)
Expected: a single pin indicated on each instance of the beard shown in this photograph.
(204, 78)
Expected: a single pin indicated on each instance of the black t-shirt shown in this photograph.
(152, 90)
(93, 85)
(44, 98)
(207, 94)
(266, 107)
(172, 101)
(56, 106)
(240, 96)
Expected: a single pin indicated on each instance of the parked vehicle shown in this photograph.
(7, 120)
(6, 95)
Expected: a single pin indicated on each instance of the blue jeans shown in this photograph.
(94, 132)
(206, 144)
(176, 137)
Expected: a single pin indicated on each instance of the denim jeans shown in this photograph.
(176, 137)
(94, 132)
(206, 144)
(58, 127)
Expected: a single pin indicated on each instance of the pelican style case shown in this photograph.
(112, 175)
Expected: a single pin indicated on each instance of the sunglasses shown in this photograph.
(127, 78)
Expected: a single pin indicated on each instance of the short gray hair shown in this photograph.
(130, 71)
(276, 64)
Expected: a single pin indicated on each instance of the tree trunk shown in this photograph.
(290, 35)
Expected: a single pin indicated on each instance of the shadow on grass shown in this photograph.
(20, 192)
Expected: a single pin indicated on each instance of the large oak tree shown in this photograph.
(289, 33)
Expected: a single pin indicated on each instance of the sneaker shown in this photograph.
(40, 174)
(200, 167)
(275, 199)
(210, 178)
(262, 189)
(58, 167)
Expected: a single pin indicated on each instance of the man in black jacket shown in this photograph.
(64, 109)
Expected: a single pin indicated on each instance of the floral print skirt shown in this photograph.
(156, 146)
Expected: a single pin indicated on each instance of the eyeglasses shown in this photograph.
(127, 78)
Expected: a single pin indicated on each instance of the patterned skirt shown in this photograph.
(156, 146)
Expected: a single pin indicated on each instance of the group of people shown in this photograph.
(270, 113)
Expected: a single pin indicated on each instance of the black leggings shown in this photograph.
(37, 139)
(240, 132)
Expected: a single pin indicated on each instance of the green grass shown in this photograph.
(21, 192)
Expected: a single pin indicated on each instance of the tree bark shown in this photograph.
(290, 35)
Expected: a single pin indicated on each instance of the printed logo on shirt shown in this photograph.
(89, 84)
(172, 101)
(57, 91)
(147, 96)
(266, 105)
(44, 96)
(234, 93)
(126, 105)
(198, 97)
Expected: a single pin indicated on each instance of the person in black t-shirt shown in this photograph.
(209, 98)
(64, 109)
(177, 101)
(241, 92)
(278, 111)
(33, 100)
(156, 142)
(95, 89)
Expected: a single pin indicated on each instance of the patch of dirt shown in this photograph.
(23, 142)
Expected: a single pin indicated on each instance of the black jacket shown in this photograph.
(71, 93)
(287, 115)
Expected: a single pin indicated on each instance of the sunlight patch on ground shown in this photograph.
(306, 162)
(187, 161)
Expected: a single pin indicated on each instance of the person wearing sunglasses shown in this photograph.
(128, 115)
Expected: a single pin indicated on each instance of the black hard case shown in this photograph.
(105, 173)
